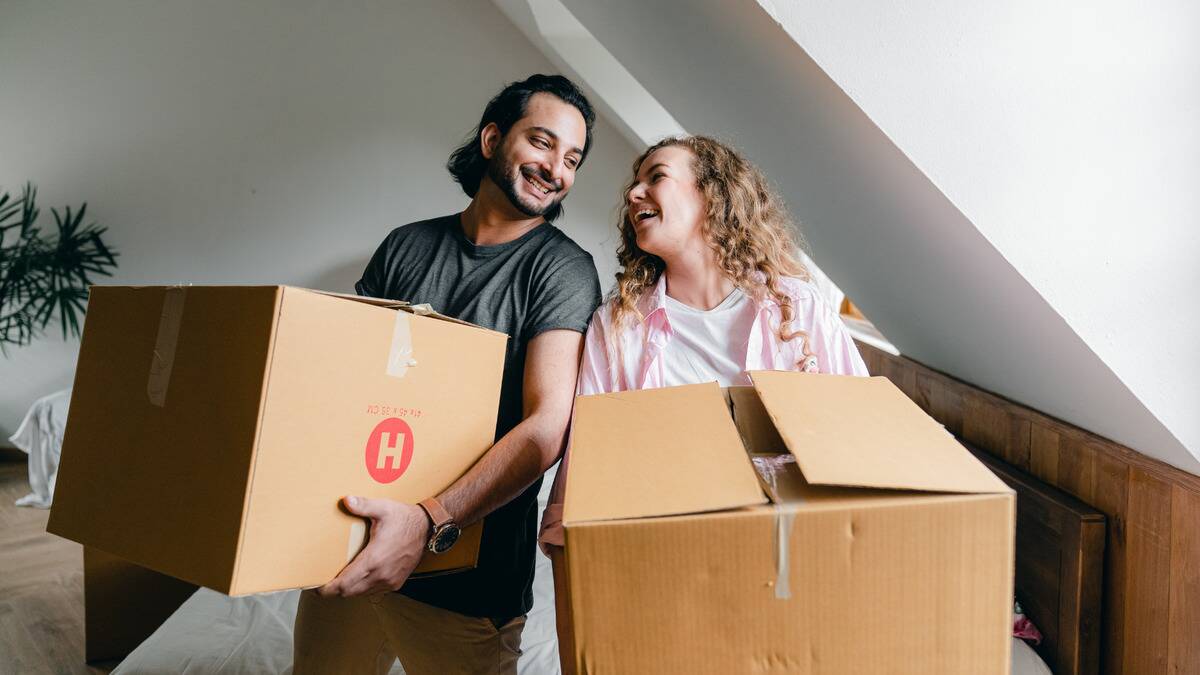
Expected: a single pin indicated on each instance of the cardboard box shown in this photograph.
(871, 542)
(124, 603)
(213, 430)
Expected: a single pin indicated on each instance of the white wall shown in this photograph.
(1069, 134)
(266, 142)
(939, 287)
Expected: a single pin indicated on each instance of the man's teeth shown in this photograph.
(537, 184)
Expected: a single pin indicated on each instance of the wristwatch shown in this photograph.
(445, 530)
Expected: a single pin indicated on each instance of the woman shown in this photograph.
(710, 287)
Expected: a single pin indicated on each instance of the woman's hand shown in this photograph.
(552, 529)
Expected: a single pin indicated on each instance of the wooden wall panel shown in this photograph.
(1148, 574)
(1183, 655)
(1151, 622)
(1043, 453)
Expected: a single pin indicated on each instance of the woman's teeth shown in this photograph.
(645, 214)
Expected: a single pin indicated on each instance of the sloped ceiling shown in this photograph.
(923, 271)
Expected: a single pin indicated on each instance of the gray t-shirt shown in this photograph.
(538, 282)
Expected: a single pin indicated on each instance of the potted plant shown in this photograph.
(46, 276)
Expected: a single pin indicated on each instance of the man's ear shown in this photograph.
(489, 140)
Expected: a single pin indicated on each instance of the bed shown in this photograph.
(1059, 567)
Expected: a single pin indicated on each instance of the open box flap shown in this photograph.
(656, 452)
(864, 432)
(421, 310)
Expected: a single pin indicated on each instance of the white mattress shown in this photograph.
(214, 634)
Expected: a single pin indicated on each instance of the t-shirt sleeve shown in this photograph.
(374, 278)
(564, 298)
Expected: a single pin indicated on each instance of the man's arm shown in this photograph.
(399, 531)
(534, 445)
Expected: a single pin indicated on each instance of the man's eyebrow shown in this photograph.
(554, 137)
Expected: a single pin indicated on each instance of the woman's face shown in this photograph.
(665, 207)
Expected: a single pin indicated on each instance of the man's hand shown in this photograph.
(399, 533)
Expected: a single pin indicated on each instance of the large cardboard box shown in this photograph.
(213, 430)
(869, 540)
(124, 603)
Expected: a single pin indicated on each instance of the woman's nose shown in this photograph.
(636, 193)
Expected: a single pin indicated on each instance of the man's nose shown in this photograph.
(557, 171)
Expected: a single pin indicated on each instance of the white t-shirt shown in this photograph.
(709, 345)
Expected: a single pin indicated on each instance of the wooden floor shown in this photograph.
(41, 586)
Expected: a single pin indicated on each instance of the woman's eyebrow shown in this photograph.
(652, 168)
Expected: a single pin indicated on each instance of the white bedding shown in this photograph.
(213, 634)
(40, 436)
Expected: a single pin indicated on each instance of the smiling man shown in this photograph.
(502, 265)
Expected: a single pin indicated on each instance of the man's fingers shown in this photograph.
(368, 508)
(371, 582)
(358, 569)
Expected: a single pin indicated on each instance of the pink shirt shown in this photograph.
(632, 357)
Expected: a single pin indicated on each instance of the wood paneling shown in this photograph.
(1183, 651)
(1151, 604)
(1147, 574)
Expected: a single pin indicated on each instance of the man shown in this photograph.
(502, 265)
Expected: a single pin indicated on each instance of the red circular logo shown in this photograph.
(389, 450)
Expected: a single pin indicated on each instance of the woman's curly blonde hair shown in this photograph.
(746, 225)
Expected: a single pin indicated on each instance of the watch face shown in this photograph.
(444, 538)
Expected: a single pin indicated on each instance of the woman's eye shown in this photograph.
(655, 177)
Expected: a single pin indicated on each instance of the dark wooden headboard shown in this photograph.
(1059, 571)
(1150, 621)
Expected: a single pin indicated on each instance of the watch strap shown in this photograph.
(437, 512)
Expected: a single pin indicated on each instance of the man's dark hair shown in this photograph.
(467, 163)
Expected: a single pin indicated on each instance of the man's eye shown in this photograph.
(572, 163)
(541, 142)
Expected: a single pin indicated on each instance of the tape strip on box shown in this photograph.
(163, 359)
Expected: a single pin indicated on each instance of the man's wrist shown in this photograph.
(443, 530)
(428, 522)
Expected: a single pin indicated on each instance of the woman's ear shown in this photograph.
(489, 140)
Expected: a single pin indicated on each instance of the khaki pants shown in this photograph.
(367, 635)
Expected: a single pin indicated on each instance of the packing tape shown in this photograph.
(164, 345)
(785, 515)
(357, 539)
(783, 533)
(400, 354)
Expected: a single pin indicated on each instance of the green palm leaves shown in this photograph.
(46, 276)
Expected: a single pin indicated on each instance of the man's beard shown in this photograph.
(509, 177)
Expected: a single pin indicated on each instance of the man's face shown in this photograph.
(535, 162)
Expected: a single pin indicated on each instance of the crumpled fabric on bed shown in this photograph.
(40, 436)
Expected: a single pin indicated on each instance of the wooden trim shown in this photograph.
(1151, 603)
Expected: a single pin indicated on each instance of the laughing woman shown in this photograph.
(710, 287)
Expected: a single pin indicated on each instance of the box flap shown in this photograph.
(422, 310)
(864, 432)
(656, 452)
